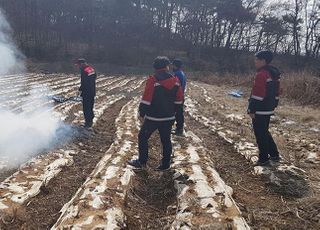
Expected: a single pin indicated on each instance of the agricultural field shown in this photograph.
(82, 181)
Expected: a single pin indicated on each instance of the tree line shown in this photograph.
(118, 30)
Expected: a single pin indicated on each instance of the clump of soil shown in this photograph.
(288, 184)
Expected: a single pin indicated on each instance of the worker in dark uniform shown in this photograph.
(161, 99)
(87, 90)
(262, 103)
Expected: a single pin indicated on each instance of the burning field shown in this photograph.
(56, 175)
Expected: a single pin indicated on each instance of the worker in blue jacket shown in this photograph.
(176, 66)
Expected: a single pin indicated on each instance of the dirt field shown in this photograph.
(85, 183)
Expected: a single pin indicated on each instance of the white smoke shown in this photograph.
(34, 129)
(23, 136)
(12, 60)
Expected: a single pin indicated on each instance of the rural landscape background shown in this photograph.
(53, 175)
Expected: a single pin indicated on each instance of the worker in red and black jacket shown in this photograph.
(161, 99)
(263, 100)
(87, 90)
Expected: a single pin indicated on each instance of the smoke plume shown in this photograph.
(28, 132)
(12, 60)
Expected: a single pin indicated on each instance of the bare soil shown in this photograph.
(151, 201)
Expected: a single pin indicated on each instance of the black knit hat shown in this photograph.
(265, 55)
(161, 62)
(177, 62)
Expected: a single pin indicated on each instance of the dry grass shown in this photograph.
(225, 79)
(301, 87)
(308, 118)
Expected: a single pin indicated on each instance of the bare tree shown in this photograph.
(114, 30)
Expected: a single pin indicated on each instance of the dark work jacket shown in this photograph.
(162, 96)
(265, 91)
(88, 81)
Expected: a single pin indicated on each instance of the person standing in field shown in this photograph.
(176, 66)
(161, 99)
(263, 100)
(87, 90)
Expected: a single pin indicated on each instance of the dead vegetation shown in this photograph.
(302, 88)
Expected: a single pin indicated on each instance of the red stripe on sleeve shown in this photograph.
(148, 91)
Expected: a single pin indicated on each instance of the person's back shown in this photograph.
(161, 92)
(161, 99)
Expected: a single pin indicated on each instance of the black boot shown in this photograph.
(137, 164)
(88, 124)
(179, 132)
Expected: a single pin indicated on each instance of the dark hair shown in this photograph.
(177, 62)
(161, 62)
(265, 55)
